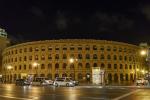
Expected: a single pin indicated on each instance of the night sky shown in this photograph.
(117, 20)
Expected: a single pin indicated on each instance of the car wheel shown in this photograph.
(67, 84)
(56, 84)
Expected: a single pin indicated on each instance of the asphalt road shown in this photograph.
(12, 92)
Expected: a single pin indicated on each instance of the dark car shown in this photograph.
(22, 82)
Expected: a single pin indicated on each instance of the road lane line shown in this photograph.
(125, 95)
(17, 98)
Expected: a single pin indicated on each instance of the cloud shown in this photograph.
(112, 23)
(61, 20)
(146, 11)
(37, 11)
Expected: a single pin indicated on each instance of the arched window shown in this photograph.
(42, 66)
(64, 66)
(87, 66)
(95, 65)
(115, 57)
(79, 76)
(57, 56)
(57, 66)
(109, 66)
(94, 56)
(49, 66)
(121, 66)
(102, 65)
(80, 65)
(102, 57)
(64, 56)
(87, 56)
(115, 66)
(120, 57)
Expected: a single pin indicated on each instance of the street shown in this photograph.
(12, 92)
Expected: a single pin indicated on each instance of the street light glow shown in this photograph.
(9, 67)
(35, 64)
(143, 52)
(71, 60)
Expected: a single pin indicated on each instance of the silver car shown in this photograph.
(63, 82)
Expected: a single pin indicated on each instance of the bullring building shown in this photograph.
(72, 58)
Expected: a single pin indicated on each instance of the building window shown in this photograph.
(64, 66)
(64, 48)
(64, 56)
(49, 66)
(109, 66)
(80, 66)
(42, 66)
(115, 57)
(120, 49)
(20, 50)
(108, 57)
(79, 56)
(24, 67)
(15, 67)
(25, 49)
(42, 57)
(49, 48)
(57, 56)
(36, 57)
(102, 57)
(102, 48)
(56, 66)
(25, 58)
(114, 49)
(57, 48)
(36, 49)
(121, 66)
(87, 56)
(30, 57)
(49, 56)
(125, 58)
(108, 48)
(19, 67)
(42, 48)
(79, 48)
(130, 67)
(16, 52)
(87, 48)
(95, 64)
(20, 59)
(94, 47)
(115, 66)
(30, 49)
(126, 67)
(94, 56)
(30, 66)
(87, 66)
(71, 48)
(120, 57)
(102, 65)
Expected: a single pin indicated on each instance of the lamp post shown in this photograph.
(35, 65)
(9, 67)
(145, 52)
(72, 60)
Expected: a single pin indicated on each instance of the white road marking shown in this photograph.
(17, 98)
(125, 95)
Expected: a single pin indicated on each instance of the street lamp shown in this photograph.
(35, 65)
(9, 67)
(72, 60)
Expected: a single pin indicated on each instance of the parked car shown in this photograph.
(22, 82)
(74, 81)
(63, 82)
(141, 81)
(47, 82)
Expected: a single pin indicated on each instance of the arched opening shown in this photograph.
(121, 77)
(127, 77)
(109, 77)
(115, 77)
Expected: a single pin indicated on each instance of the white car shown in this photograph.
(141, 81)
(47, 82)
(63, 82)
